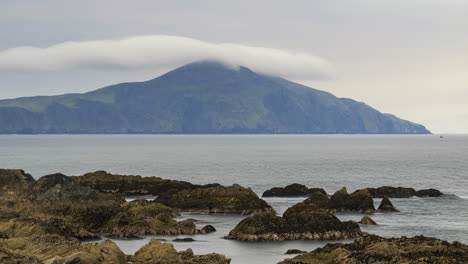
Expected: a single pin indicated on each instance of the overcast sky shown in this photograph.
(408, 57)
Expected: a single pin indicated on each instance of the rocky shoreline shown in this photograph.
(45, 221)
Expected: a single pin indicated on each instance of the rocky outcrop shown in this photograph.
(165, 253)
(387, 206)
(233, 199)
(402, 192)
(300, 222)
(372, 249)
(131, 184)
(366, 220)
(293, 190)
(358, 201)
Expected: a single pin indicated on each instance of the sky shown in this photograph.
(405, 57)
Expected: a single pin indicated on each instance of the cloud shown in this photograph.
(162, 50)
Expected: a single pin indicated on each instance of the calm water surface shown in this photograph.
(264, 161)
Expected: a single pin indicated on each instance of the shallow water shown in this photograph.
(264, 161)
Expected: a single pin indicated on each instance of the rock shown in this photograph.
(219, 199)
(207, 229)
(429, 193)
(366, 220)
(186, 239)
(60, 249)
(15, 183)
(157, 252)
(132, 185)
(294, 251)
(402, 192)
(387, 206)
(300, 222)
(293, 190)
(63, 197)
(374, 249)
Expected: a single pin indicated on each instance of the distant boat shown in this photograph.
(441, 136)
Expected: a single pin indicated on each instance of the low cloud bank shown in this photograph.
(162, 50)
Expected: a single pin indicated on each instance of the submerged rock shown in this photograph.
(300, 222)
(387, 206)
(375, 249)
(366, 220)
(293, 190)
(233, 199)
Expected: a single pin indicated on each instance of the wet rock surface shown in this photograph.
(292, 190)
(373, 249)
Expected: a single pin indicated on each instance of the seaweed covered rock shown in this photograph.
(233, 199)
(300, 222)
(131, 184)
(165, 253)
(402, 192)
(54, 249)
(373, 249)
(358, 201)
(292, 190)
(387, 206)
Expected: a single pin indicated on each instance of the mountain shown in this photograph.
(201, 97)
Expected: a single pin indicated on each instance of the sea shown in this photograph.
(265, 161)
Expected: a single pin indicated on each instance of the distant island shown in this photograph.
(200, 98)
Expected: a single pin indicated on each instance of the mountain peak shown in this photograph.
(200, 97)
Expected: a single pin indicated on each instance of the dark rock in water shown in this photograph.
(300, 222)
(387, 206)
(293, 190)
(374, 249)
(207, 229)
(429, 193)
(233, 199)
(358, 201)
(294, 251)
(186, 239)
(366, 220)
(402, 192)
(339, 198)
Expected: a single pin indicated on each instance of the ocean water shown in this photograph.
(265, 161)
